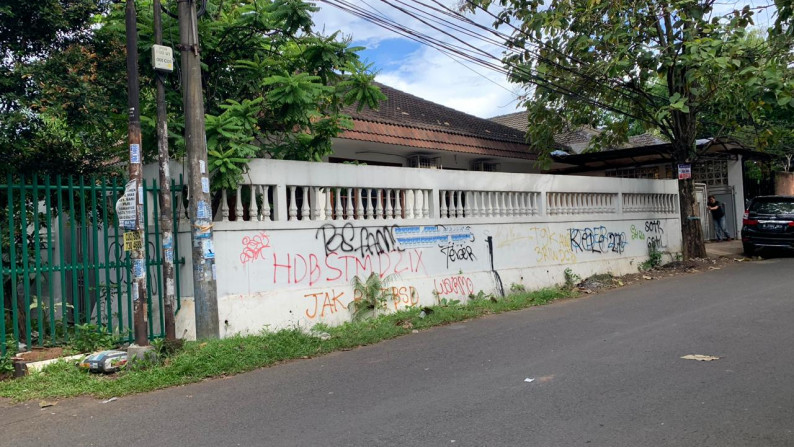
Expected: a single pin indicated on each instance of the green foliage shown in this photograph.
(571, 279)
(90, 338)
(654, 258)
(517, 288)
(272, 85)
(664, 63)
(370, 295)
(482, 296)
(6, 365)
(444, 302)
(608, 64)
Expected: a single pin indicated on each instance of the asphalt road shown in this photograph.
(607, 371)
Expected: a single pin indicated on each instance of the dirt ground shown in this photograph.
(597, 283)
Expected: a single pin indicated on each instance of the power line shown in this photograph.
(484, 59)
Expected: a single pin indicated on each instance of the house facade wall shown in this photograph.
(288, 243)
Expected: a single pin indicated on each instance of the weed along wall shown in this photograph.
(288, 244)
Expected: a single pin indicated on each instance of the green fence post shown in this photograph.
(37, 250)
(83, 252)
(62, 260)
(73, 264)
(158, 259)
(23, 234)
(146, 261)
(50, 255)
(118, 262)
(2, 301)
(13, 260)
(106, 265)
(95, 227)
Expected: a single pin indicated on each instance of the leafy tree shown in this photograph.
(661, 62)
(59, 108)
(272, 85)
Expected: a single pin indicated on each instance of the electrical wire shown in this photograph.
(466, 51)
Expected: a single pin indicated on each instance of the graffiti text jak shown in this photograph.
(324, 302)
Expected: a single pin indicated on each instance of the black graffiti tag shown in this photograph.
(366, 241)
(457, 252)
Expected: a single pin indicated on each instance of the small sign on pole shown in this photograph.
(684, 172)
(132, 241)
(163, 58)
(125, 206)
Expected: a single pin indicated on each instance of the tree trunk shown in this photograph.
(691, 234)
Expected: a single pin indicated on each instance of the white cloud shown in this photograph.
(427, 73)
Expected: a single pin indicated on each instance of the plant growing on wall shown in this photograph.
(370, 295)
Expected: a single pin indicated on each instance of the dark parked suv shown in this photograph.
(768, 222)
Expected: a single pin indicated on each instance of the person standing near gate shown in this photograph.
(718, 216)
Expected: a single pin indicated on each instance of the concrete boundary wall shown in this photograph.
(288, 243)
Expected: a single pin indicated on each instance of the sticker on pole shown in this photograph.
(126, 207)
(133, 241)
(207, 249)
(684, 172)
(139, 269)
(135, 154)
(203, 210)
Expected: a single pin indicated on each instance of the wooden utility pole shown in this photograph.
(200, 211)
(166, 210)
(131, 209)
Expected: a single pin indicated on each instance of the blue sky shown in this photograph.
(422, 71)
(414, 68)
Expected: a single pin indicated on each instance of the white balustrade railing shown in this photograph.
(650, 203)
(464, 204)
(572, 203)
(293, 192)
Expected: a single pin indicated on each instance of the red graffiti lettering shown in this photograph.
(454, 285)
(253, 246)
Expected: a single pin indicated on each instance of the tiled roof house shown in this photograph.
(576, 140)
(406, 127)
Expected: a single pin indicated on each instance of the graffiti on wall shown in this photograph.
(253, 247)
(324, 303)
(311, 269)
(458, 285)
(597, 240)
(551, 247)
(454, 243)
(654, 231)
(362, 241)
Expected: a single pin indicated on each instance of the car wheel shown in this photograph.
(749, 249)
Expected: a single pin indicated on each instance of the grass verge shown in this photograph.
(215, 358)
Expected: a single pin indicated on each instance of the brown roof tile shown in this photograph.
(408, 120)
(519, 121)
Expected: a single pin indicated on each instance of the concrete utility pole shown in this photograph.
(204, 288)
(131, 210)
(166, 210)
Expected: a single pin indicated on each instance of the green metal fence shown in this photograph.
(64, 268)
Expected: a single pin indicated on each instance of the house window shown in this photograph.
(649, 172)
(711, 172)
